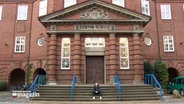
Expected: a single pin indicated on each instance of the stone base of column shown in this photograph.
(52, 83)
(79, 82)
(138, 82)
(111, 81)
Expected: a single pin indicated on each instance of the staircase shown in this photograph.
(138, 92)
(84, 93)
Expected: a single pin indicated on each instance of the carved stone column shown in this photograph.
(52, 62)
(77, 56)
(112, 57)
(138, 60)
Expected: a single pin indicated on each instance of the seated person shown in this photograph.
(96, 91)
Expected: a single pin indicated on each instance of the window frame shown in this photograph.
(43, 5)
(20, 44)
(98, 42)
(22, 12)
(67, 3)
(165, 10)
(118, 2)
(62, 57)
(143, 7)
(1, 12)
(127, 57)
(168, 44)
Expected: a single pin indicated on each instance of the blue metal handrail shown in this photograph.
(116, 81)
(151, 80)
(72, 87)
(39, 80)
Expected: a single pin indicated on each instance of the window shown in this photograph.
(20, 44)
(165, 11)
(168, 43)
(1, 12)
(65, 53)
(41, 41)
(183, 7)
(124, 53)
(174, 81)
(43, 7)
(68, 3)
(119, 2)
(94, 42)
(145, 7)
(22, 12)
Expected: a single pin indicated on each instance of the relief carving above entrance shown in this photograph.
(95, 13)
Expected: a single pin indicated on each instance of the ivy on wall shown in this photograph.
(159, 69)
(161, 73)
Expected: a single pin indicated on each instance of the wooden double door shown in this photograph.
(94, 69)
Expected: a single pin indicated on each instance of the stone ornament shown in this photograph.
(41, 41)
(53, 27)
(95, 13)
(135, 27)
(147, 41)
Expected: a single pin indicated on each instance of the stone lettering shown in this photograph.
(94, 27)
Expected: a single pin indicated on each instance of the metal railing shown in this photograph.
(39, 80)
(72, 87)
(151, 80)
(116, 81)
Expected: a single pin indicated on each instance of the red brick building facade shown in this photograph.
(92, 39)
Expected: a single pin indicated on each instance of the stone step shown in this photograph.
(141, 98)
(105, 93)
(84, 93)
(76, 96)
(76, 99)
(96, 99)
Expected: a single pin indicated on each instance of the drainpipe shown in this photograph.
(14, 31)
(29, 43)
(157, 30)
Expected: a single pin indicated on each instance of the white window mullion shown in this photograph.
(119, 2)
(145, 7)
(65, 53)
(124, 53)
(43, 7)
(1, 7)
(165, 11)
(168, 43)
(68, 3)
(94, 42)
(20, 44)
(22, 12)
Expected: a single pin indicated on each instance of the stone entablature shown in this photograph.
(92, 26)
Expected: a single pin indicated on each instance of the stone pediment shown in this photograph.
(93, 11)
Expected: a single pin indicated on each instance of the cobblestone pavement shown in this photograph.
(6, 98)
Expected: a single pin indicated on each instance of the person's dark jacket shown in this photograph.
(96, 88)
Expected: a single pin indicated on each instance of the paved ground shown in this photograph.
(6, 98)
